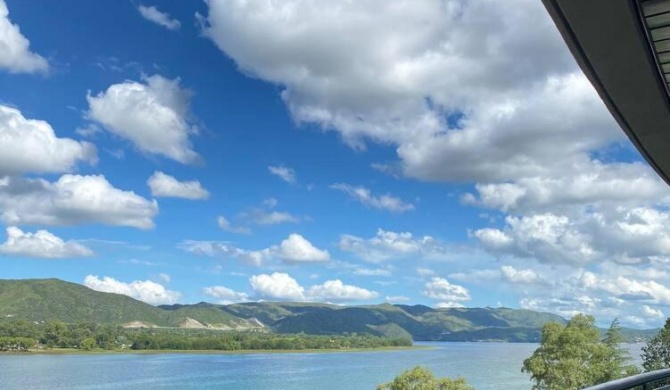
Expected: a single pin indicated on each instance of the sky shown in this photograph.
(440, 152)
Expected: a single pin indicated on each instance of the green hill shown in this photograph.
(54, 299)
(420, 322)
(47, 299)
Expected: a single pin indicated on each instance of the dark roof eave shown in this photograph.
(610, 45)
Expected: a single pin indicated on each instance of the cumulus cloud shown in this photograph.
(284, 173)
(31, 146)
(626, 235)
(297, 249)
(143, 290)
(152, 14)
(606, 289)
(335, 290)
(365, 196)
(652, 312)
(277, 286)
(227, 251)
(225, 295)
(588, 183)
(163, 185)
(225, 225)
(152, 115)
(265, 215)
(15, 54)
(450, 294)
(73, 200)
(448, 305)
(519, 276)
(283, 286)
(261, 216)
(477, 275)
(294, 249)
(471, 125)
(41, 244)
(388, 245)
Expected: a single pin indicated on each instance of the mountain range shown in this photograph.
(41, 300)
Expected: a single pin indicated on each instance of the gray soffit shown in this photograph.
(623, 47)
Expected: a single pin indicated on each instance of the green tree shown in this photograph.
(616, 357)
(420, 378)
(656, 354)
(574, 357)
(88, 344)
(55, 334)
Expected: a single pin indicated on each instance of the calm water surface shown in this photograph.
(485, 365)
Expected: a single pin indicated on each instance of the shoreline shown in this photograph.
(74, 351)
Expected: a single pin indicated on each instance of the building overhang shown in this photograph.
(623, 47)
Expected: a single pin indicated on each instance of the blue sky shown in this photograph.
(426, 152)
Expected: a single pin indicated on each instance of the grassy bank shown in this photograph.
(76, 351)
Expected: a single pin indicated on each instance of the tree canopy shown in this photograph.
(574, 357)
(420, 378)
(656, 354)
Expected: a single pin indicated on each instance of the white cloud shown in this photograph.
(283, 286)
(441, 289)
(41, 244)
(365, 196)
(294, 249)
(143, 290)
(396, 298)
(477, 275)
(387, 245)
(333, 72)
(89, 130)
(521, 276)
(225, 295)
(297, 249)
(285, 173)
(277, 286)
(15, 54)
(448, 305)
(335, 290)
(73, 200)
(606, 290)
(152, 115)
(167, 186)
(152, 14)
(270, 203)
(421, 271)
(514, 276)
(226, 250)
(651, 312)
(625, 235)
(164, 277)
(372, 272)
(266, 217)
(626, 288)
(590, 183)
(225, 225)
(30, 145)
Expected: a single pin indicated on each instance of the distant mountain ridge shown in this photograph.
(48, 299)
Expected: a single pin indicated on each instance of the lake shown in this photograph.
(484, 365)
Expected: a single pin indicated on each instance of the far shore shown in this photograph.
(74, 351)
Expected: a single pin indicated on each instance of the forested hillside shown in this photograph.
(42, 300)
